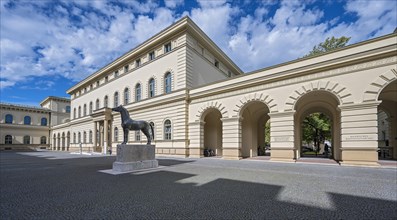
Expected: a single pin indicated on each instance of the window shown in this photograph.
(74, 113)
(91, 87)
(116, 134)
(85, 90)
(167, 48)
(9, 119)
(97, 83)
(79, 137)
(85, 110)
(126, 96)
(125, 68)
(138, 135)
(151, 55)
(105, 102)
(74, 138)
(27, 120)
(106, 78)
(26, 139)
(151, 87)
(216, 63)
(229, 74)
(85, 137)
(137, 62)
(138, 92)
(43, 140)
(67, 109)
(90, 136)
(79, 111)
(90, 108)
(167, 82)
(97, 104)
(116, 99)
(167, 130)
(8, 139)
(43, 121)
(116, 74)
(152, 124)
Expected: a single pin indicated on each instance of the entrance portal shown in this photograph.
(212, 133)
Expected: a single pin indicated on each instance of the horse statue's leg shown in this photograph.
(125, 131)
(145, 130)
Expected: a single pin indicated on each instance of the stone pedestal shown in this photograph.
(134, 157)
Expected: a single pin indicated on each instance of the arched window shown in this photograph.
(126, 96)
(97, 104)
(116, 134)
(85, 110)
(167, 130)
(27, 120)
(167, 83)
(90, 136)
(9, 119)
(116, 99)
(43, 121)
(79, 137)
(79, 111)
(85, 137)
(151, 87)
(152, 124)
(74, 113)
(105, 102)
(8, 139)
(90, 108)
(138, 92)
(67, 109)
(43, 140)
(74, 138)
(26, 139)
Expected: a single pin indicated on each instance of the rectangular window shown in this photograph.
(116, 73)
(125, 68)
(229, 74)
(167, 48)
(151, 55)
(217, 63)
(137, 62)
(106, 78)
(91, 87)
(97, 83)
(85, 90)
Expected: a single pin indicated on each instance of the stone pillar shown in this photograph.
(231, 138)
(105, 131)
(100, 135)
(95, 135)
(282, 137)
(359, 132)
(196, 137)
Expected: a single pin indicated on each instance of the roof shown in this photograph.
(27, 107)
(64, 99)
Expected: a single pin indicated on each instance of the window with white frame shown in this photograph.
(27, 120)
(151, 55)
(137, 62)
(126, 96)
(125, 68)
(8, 139)
(167, 48)
(151, 87)
(167, 83)
(85, 110)
(90, 108)
(138, 92)
(26, 139)
(167, 130)
(116, 74)
(116, 99)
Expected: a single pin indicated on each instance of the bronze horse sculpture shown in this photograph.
(128, 124)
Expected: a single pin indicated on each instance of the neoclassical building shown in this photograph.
(197, 98)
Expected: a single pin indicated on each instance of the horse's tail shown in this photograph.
(152, 131)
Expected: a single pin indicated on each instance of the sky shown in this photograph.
(46, 47)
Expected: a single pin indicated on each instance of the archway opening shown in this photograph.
(254, 141)
(387, 122)
(213, 133)
(317, 126)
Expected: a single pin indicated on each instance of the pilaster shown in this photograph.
(282, 136)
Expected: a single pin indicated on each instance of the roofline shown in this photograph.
(24, 106)
(54, 97)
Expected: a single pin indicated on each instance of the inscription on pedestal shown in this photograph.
(134, 157)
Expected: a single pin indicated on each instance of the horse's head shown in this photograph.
(118, 108)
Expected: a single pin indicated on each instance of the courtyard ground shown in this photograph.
(59, 185)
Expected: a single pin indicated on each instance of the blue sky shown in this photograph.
(48, 46)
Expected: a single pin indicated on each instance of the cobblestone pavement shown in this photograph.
(58, 185)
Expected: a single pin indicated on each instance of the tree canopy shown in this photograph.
(328, 45)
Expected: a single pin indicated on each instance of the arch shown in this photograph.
(167, 82)
(105, 101)
(79, 112)
(211, 105)
(59, 141)
(211, 132)
(8, 139)
(138, 92)
(258, 96)
(374, 89)
(167, 129)
(126, 96)
(43, 121)
(151, 87)
(85, 110)
(9, 119)
(340, 91)
(97, 104)
(84, 137)
(90, 108)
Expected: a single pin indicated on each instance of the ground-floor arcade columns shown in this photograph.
(95, 133)
(196, 146)
(359, 133)
(282, 136)
(106, 138)
(231, 138)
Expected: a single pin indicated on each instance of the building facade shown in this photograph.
(26, 127)
(197, 99)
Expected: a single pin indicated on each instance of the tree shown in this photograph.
(316, 128)
(328, 45)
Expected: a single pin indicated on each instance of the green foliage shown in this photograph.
(316, 128)
(267, 132)
(328, 45)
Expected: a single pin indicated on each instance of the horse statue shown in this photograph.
(128, 124)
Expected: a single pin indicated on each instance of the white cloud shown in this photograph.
(173, 3)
